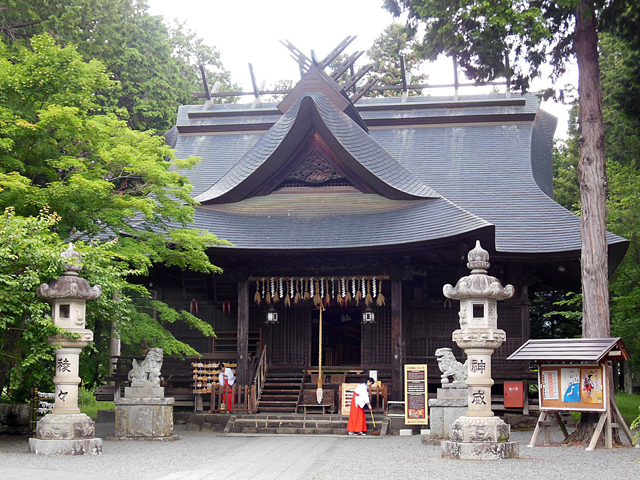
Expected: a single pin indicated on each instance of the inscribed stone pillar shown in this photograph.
(66, 431)
(478, 435)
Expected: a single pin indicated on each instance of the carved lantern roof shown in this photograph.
(69, 285)
(478, 284)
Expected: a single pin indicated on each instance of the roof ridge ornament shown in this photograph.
(306, 65)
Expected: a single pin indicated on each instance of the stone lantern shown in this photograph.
(66, 430)
(479, 435)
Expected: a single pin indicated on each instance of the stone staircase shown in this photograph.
(281, 392)
(274, 423)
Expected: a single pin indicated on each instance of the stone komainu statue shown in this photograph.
(450, 367)
(147, 373)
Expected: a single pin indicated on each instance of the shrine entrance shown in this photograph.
(341, 337)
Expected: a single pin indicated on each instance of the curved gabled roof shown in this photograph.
(337, 220)
(363, 160)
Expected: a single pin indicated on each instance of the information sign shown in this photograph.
(415, 395)
(576, 387)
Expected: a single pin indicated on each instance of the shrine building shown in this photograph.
(367, 206)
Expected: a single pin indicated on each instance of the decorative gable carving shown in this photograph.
(315, 170)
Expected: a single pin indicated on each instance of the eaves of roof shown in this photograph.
(336, 221)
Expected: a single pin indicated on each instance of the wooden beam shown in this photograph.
(344, 66)
(298, 56)
(354, 79)
(205, 81)
(336, 51)
(403, 73)
(363, 89)
(396, 339)
(256, 90)
(243, 332)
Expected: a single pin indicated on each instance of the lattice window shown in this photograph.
(289, 339)
(510, 320)
(376, 339)
(431, 328)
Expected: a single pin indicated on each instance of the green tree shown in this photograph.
(154, 62)
(385, 54)
(60, 152)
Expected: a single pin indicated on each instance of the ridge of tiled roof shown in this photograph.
(360, 153)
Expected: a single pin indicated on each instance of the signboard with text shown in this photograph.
(576, 387)
(415, 395)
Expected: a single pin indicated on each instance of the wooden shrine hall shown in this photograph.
(366, 206)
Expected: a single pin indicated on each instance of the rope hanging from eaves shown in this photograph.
(325, 291)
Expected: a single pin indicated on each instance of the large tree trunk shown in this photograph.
(593, 178)
(593, 183)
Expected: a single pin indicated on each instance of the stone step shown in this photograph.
(293, 416)
(280, 423)
(242, 423)
(276, 398)
(277, 403)
(297, 378)
(280, 386)
(290, 431)
(263, 409)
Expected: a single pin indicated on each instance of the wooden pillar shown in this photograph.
(243, 333)
(396, 340)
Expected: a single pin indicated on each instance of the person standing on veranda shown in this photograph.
(357, 418)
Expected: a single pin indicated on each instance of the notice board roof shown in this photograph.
(572, 350)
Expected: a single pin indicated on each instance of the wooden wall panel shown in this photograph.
(377, 339)
(288, 341)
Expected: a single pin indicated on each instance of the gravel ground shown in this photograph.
(209, 456)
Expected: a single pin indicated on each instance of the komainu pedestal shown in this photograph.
(144, 413)
(451, 400)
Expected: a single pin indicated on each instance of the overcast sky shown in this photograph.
(248, 31)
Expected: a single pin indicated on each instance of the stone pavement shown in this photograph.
(212, 456)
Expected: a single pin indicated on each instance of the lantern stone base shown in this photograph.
(480, 438)
(89, 446)
(479, 451)
(65, 434)
(144, 418)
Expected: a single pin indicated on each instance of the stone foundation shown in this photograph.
(89, 446)
(144, 417)
(480, 438)
(479, 451)
(14, 419)
(60, 434)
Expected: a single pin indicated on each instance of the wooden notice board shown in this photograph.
(415, 395)
(577, 387)
(346, 393)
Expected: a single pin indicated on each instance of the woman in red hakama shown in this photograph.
(227, 379)
(357, 419)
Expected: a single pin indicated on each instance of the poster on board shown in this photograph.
(415, 395)
(572, 387)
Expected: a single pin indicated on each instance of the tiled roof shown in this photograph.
(488, 155)
(357, 150)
